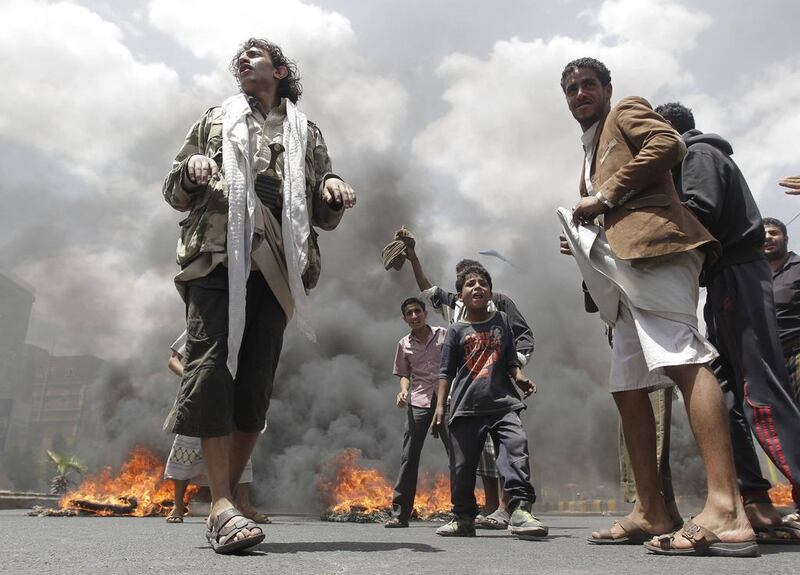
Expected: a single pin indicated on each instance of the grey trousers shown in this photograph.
(418, 423)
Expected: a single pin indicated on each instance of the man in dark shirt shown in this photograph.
(740, 319)
(785, 267)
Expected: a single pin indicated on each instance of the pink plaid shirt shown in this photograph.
(420, 362)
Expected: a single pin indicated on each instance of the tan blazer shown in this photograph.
(634, 150)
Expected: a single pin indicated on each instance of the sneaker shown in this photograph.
(524, 523)
(458, 527)
(395, 523)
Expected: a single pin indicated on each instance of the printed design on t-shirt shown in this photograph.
(481, 350)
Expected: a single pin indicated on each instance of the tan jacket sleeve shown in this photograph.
(660, 148)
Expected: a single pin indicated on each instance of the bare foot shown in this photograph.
(252, 513)
(650, 523)
(176, 515)
(762, 514)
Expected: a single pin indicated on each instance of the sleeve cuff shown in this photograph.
(523, 359)
(603, 199)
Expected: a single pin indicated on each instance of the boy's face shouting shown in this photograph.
(476, 292)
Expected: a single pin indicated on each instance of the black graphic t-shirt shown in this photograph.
(476, 358)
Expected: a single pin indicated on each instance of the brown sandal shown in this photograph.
(222, 534)
(705, 543)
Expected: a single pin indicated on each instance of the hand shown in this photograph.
(200, 169)
(438, 421)
(565, 249)
(587, 209)
(791, 182)
(337, 193)
(527, 386)
(402, 398)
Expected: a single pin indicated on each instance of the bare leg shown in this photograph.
(639, 428)
(503, 497)
(762, 514)
(490, 488)
(242, 445)
(217, 456)
(723, 512)
(242, 494)
(178, 508)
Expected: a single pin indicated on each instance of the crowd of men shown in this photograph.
(663, 209)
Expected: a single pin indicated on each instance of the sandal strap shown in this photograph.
(222, 518)
(628, 525)
(665, 541)
(230, 530)
(224, 528)
(699, 535)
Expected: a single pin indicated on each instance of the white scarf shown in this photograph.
(295, 226)
(237, 160)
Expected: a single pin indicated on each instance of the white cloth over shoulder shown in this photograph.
(295, 224)
(237, 161)
(651, 305)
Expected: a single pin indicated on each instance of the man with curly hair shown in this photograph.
(254, 176)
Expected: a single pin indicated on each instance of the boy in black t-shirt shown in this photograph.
(480, 359)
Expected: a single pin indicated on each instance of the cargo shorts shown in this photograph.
(210, 402)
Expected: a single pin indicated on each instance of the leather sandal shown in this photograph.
(222, 534)
(634, 534)
(705, 543)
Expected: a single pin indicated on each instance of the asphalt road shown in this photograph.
(72, 545)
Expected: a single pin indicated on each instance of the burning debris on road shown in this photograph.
(359, 495)
(781, 495)
(138, 490)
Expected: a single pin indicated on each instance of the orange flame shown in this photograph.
(347, 487)
(781, 495)
(140, 477)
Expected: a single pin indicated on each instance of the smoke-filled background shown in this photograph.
(445, 117)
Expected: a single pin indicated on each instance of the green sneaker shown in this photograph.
(458, 527)
(523, 522)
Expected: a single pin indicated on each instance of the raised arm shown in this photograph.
(423, 282)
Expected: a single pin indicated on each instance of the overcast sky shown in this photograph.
(458, 101)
